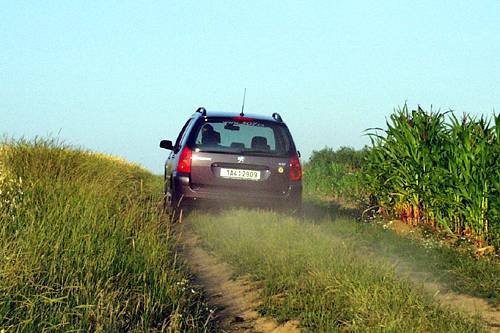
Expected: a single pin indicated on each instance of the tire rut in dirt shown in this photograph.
(234, 300)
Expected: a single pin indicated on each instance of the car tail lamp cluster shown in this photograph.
(295, 169)
(184, 164)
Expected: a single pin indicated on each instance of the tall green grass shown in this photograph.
(438, 169)
(83, 247)
(326, 282)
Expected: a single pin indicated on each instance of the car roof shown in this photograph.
(225, 114)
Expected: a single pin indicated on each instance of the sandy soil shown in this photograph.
(473, 306)
(468, 304)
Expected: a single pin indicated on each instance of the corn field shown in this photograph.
(438, 169)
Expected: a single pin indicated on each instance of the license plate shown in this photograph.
(240, 174)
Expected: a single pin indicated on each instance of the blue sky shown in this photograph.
(118, 76)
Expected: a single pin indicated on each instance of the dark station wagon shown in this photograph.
(223, 159)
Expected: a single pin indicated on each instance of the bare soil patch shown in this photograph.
(234, 300)
(471, 305)
(466, 303)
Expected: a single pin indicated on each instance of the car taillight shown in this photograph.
(295, 169)
(184, 164)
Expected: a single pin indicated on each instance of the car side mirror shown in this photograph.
(166, 144)
(298, 154)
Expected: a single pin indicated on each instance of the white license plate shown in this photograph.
(240, 174)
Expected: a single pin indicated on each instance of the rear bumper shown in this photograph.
(292, 196)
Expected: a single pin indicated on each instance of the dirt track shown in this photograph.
(471, 305)
(234, 301)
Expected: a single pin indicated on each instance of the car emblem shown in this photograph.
(241, 159)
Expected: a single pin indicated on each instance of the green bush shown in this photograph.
(336, 174)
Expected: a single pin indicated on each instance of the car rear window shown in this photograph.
(254, 137)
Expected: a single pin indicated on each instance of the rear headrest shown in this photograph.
(259, 142)
(237, 145)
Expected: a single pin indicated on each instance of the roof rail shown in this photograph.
(202, 110)
(277, 117)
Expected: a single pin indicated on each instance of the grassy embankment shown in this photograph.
(320, 275)
(83, 248)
